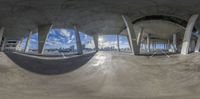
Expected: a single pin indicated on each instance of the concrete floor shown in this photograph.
(104, 75)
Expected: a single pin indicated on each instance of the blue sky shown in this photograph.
(111, 40)
(64, 38)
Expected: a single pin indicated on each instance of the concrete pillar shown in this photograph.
(118, 46)
(1, 33)
(78, 41)
(145, 45)
(188, 33)
(192, 46)
(132, 37)
(197, 44)
(148, 42)
(140, 36)
(18, 44)
(96, 38)
(43, 31)
(154, 46)
(164, 46)
(28, 42)
(128, 42)
(168, 44)
(151, 45)
(3, 45)
(174, 43)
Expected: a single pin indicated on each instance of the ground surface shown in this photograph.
(104, 75)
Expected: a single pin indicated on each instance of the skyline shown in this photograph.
(64, 38)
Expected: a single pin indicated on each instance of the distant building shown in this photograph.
(10, 45)
(83, 46)
(72, 47)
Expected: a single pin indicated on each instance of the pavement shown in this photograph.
(102, 75)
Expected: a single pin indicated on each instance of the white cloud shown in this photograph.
(69, 41)
(51, 43)
(55, 39)
(108, 44)
(34, 40)
(73, 37)
(90, 44)
(64, 33)
(85, 37)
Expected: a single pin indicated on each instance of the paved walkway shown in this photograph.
(104, 75)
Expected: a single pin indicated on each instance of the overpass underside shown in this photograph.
(161, 61)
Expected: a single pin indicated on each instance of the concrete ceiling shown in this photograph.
(158, 28)
(93, 16)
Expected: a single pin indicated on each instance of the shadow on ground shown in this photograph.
(49, 67)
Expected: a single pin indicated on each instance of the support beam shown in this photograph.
(165, 46)
(4, 44)
(131, 35)
(145, 45)
(28, 42)
(129, 42)
(1, 33)
(188, 33)
(43, 31)
(78, 40)
(118, 46)
(192, 46)
(168, 44)
(139, 38)
(20, 45)
(96, 38)
(148, 42)
(174, 43)
(197, 44)
(154, 46)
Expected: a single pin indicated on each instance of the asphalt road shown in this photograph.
(104, 75)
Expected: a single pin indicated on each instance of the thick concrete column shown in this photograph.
(188, 33)
(118, 46)
(148, 43)
(28, 42)
(174, 43)
(3, 45)
(129, 42)
(145, 45)
(197, 44)
(131, 35)
(96, 38)
(154, 46)
(20, 45)
(42, 36)
(139, 38)
(168, 44)
(1, 33)
(78, 41)
(192, 46)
